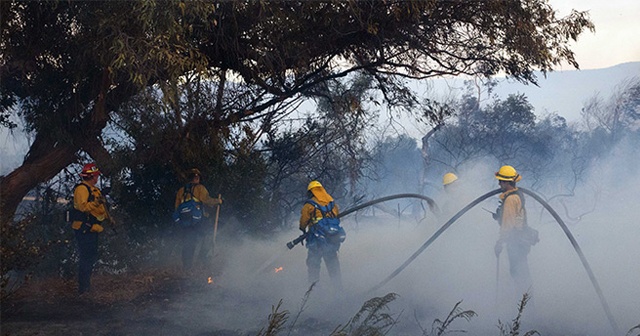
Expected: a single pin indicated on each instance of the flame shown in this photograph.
(210, 280)
(278, 269)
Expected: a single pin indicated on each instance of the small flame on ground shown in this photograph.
(210, 280)
(278, 269)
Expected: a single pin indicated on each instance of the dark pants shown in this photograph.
(189, 242)
(519, 266)
(88, 255)
(201, 235)
(316, 253)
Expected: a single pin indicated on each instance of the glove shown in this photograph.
(498, 248)
(96, 228)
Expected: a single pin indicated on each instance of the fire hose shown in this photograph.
(576, 247)
(432, 206)
(574, 243)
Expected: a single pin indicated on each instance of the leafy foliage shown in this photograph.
(507, 131)
(83, 60)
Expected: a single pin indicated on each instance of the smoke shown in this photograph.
(460, 265)
(608, 235)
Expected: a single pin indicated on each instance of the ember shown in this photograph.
(210, 280)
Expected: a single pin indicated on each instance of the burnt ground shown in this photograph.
(141, 304)
(152, 302)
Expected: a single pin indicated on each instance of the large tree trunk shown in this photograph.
(48, 155)
(45, 159)
(43, 162)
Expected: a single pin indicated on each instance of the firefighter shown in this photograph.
(322, 243)
(87, 216)
(512, 218)
(200, 232)
(448, 179)
(451, 198)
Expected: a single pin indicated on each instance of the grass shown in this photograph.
(513, 328)
(440, 327)
(373, 319)
(277, 319)
(303, 305)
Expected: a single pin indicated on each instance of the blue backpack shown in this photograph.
(189, 212)
(328, 228)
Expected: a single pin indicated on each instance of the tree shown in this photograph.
(398, 166)
(68, 65)
(617, 115)
(505, 130)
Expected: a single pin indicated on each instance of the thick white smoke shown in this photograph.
(459, 266)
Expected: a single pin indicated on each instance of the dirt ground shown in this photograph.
(140, 304)
(153, 302)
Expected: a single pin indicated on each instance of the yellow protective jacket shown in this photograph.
(309, 214)
(200, 194)
(513, 213)
(96, 208)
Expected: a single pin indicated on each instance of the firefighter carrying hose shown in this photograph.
(319, 218)
(514, 231)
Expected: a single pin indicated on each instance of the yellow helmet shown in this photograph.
(313, 184)
(449, 178)
(508, 173)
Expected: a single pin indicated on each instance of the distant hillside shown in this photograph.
(565, 92)
(562, 92)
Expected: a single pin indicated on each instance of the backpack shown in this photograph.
(74, 215)
(328, 227)
(189, 212)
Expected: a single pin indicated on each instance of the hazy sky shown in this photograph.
(617, 29)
